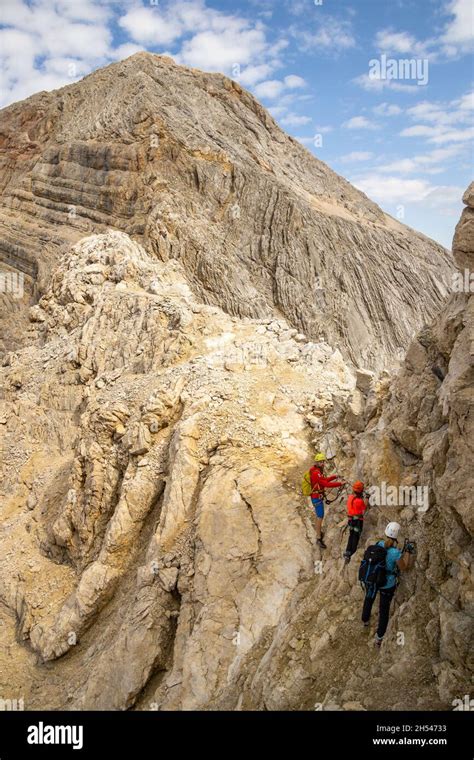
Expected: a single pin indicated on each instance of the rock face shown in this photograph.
(193, 168)
(423, 438)
(464, 234)
(151, 449)
(155, 550)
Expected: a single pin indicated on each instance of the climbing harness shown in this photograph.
(338, 494)
(355, 528)
(356, 523)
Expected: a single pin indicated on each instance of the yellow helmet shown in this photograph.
(320, 457)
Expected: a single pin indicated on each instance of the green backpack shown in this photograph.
(306, 486)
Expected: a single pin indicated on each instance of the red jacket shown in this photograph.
(319, 482)
(355, 506)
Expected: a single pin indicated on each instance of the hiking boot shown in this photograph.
(378, 642)
(347, 558)
(366, 623)
(321, 543)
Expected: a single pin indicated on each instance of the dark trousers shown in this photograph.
(386, 596)
(355, 531)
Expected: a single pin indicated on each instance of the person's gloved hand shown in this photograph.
(410, 547)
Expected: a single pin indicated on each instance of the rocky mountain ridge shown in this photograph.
(192, 167)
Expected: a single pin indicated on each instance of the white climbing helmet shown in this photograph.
(392, 530)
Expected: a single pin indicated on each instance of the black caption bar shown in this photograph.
(94, 734)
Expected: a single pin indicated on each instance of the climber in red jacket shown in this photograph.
(319, 483)
(356, 506)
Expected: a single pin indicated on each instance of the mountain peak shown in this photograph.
(194, 168)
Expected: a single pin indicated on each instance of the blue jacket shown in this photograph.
(393, 555)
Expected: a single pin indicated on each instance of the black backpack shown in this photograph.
(373, 568)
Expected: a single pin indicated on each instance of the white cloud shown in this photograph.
(419, 130)
(324, 129)
(357, 155)
(458, 36)
(359, 122)
(253, 74)
(165, 22)
(441, 196)
(376, 84)
(194, 15)
(330, 34)
(443, 122)
(393, 189)
(443, 114)
(294, 120)
(292, 81)
(306, 140)
(276, 48)
(44, 45)
(400, 42)
(453, 135)
(430, 163)
(273, 88)
(151, 26)
(406, 44)
(57, 66)
(466, 103)
(77, 40)
(297, 7)
(387, 109)
(13, 40)
(86, 10)
(219, 51)
(419, 194)
(35, 16)
(220, 41)
(402, 166)
(125, 51)
(440, 123)
(277, 111)
(427, 111)
(55, 34)
(316, 138)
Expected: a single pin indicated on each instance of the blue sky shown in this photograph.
(330, 71)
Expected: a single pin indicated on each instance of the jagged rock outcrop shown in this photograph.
(464, 235)
(151, 444)
(191, 166)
